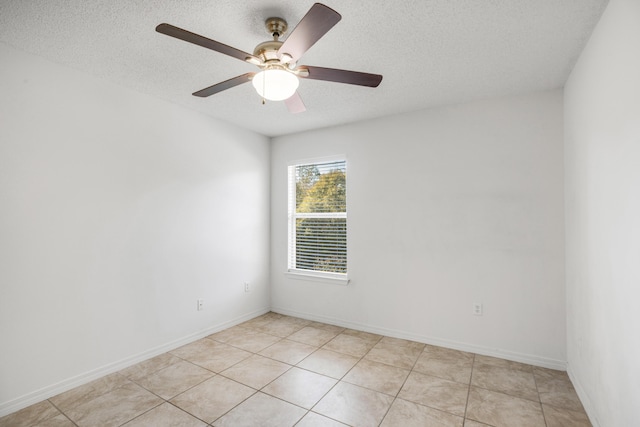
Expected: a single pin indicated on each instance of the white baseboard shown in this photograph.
(584, 397)
(485, 351)
(44, 393)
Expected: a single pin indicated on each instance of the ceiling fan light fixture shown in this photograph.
(275, 84)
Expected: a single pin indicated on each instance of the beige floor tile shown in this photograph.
(256, 371)
(354, 405)
(212, 398)
(247, 339)
(84, 393)
(31, 415)
(115, 407)
(211, 355)
(262, 410)
(261, 320)
(272, 315)
(396, 352)
(365, 336)
(279, 328)
(226, 334)
(443, 352)
(329, 363)
(498, 409)
(377, 376)
(195, 349)
(165, 415)
(316, 420)
(327, 327)
(284, 326)
(560, 417)
(435, 392)
(450, 369)
(255, 322)
(515, 382)
(148, 367)
(287, 351)
(409, 414)
(547, 372)
(501, 363)
(57, 421)
(313, 336)
(295, 320)
(555, 388)
(349, 344)
(445, 363)
(398, 342)
(471, 423)
(300, 387)
(175, 379)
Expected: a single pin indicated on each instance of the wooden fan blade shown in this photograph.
(227, 84)
(315, 24)
(341, 76)
(294, 104)
(194, 38)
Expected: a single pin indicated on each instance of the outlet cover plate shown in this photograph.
(477, 308)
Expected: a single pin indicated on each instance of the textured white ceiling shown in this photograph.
(430, 52)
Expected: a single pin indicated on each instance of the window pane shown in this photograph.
(321, 187)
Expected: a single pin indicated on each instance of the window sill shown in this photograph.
(317, 277)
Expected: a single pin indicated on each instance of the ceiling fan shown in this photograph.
(278, 61)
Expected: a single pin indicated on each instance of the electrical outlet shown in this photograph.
(246, 287)
(477, 308)
(200, 304)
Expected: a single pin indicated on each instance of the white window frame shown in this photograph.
(310, 275)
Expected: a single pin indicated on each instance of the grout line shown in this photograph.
(238, 404)
(148, 410)
(62, 412)
(189, 413)
(466, 404)
(535, 382)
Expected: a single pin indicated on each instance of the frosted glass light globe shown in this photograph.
(275, 84)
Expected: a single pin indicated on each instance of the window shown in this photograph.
(318, 219)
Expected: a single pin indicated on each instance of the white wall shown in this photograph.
(602, 134)
(447, 207)
(117, 212)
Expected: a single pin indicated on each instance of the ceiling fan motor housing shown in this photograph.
(268, 51)
(276, 27)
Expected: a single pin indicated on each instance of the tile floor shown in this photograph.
(281, 371)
